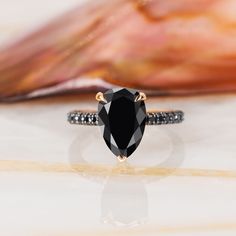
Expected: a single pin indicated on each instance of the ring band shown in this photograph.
(122, 117)
(152, 118)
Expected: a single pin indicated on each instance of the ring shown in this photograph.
(122, 117)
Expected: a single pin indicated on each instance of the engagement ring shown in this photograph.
(122, 117)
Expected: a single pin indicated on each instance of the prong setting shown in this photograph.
(100, 97)
(141, 97)
(122, 158)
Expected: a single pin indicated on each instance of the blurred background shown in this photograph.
(168, 48)
(62, 180)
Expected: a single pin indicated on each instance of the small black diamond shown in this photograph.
(163, 118)
(177, 117)
(94, 119)
(82, 118)
(157, 120)
(76, 118)
(171, 117)
(72, 118)
(181, 116)
(151, 119)
(87, 116)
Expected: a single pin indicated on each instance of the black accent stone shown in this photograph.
(162, 118)
(170, 117)
(87, 118)
(151, 119)
(94, 119)
(122, 120)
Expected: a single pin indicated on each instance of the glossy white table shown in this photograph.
(58, 179)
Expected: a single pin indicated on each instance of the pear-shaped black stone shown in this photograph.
(122, 120)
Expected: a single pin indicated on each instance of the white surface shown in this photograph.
(68, 203)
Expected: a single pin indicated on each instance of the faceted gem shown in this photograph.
(122, 120)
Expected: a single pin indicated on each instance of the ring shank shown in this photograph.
(153, 118)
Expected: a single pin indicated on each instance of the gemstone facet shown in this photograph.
(122, 120)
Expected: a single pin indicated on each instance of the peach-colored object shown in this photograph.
(166, 46)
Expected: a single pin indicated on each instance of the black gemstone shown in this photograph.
(151, 119)
(163, 118)
(87, 118)
(122, 120)
(171, 117)
(94, 119)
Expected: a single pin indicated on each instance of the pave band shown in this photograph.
(152, 118)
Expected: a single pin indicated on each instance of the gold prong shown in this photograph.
(100, 97)
(121, 158)
(141, 97)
